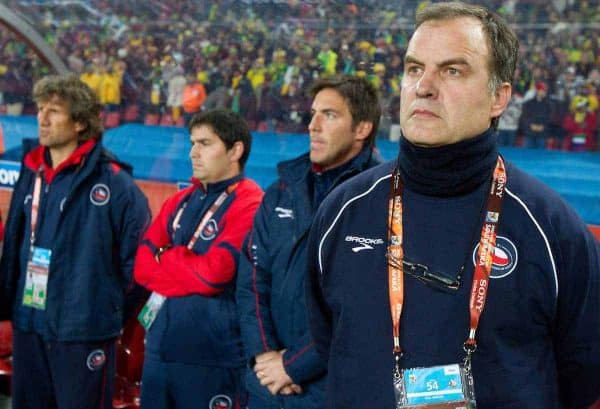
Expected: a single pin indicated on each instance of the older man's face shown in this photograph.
(445, 93)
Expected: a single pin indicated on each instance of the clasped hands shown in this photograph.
(270, 371)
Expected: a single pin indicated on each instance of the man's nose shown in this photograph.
(194, 151)
(314, 123)
(426, 85)
(42, 115)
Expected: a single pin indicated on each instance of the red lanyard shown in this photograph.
(35, 205)
(213, 208)
(487, 244)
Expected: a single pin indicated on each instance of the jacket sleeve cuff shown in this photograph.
(303, 365)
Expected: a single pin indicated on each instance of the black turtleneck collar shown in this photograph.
(449, 170)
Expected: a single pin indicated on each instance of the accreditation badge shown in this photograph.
(36, 278)
(150, 310)
(436, 387)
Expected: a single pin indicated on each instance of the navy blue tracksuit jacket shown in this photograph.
(270, 286)
(539, 334)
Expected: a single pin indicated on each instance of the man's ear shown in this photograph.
(79, 127)
(236, 151)
(363, 130)
(501, 99)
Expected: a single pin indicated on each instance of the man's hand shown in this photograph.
(271, 373)
(266, 356)
(291, 389)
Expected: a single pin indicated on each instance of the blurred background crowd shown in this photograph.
(158, 62)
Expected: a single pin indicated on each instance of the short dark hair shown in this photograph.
(502, 40)
(229, 127)
(360, 95)
(83, 103)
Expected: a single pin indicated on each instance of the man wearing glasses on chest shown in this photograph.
(449, 278)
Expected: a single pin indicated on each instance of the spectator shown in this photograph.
(74, 223)
(327, 59)
(257, 75)
(270, 110)
(176, 86)
(110, 87)
(284, 370)
(92, 78)
(244, 102)
(194, 95)
(188, 259)
(508, 124)
(534, 118)
(218, 95)
(581, 125)
(296, 105)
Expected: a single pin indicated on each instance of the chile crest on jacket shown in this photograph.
(504, 260)
(100, 194)
(210, 230)
(220, 402)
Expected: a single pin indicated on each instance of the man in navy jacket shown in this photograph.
(74, 224)
(284, 368)
(450, 261)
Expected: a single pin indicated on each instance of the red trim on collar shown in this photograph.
(116, 168)
(316, 168)
(36, 159)
(196, 182)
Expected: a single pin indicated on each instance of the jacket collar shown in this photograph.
(294, 170)
(449, 170)
(217, 187)
(38, 159)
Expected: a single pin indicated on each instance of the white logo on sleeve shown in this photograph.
(364, 243)
(284, 213)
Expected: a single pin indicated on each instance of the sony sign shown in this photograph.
(9, 173)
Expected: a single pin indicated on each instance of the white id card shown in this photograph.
(36, 279)
(150, 310)
(436, 387)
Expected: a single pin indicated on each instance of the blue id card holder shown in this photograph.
(436, 387)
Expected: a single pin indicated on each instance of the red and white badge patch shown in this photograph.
(504, 260)
(100, 194)
(96, 360)
(210, 230)
(220, 402)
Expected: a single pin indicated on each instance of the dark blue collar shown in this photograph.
(449, 170)
(217, 187)
(323, 182)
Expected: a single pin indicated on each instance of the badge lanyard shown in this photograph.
(35, 201)
(35, 205)
(487, 244)
(213, 209)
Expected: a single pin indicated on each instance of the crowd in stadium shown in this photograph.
(159, 62)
